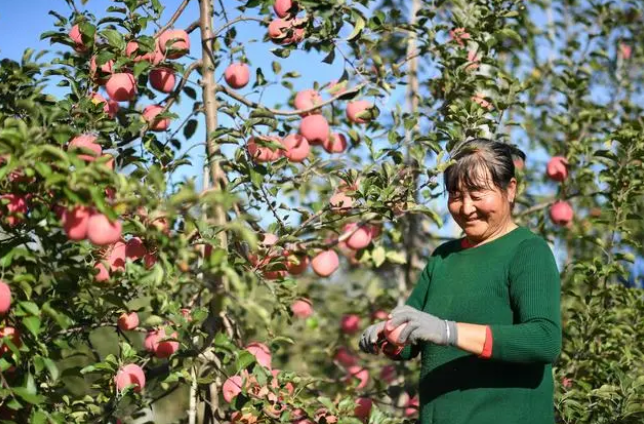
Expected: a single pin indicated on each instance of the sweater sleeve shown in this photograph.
(535, 298)
(417, 299)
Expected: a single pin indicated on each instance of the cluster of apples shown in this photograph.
(561, 213)
(121, 86)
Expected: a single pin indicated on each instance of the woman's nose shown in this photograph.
(468, 207)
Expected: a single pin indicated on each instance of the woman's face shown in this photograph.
(482, 213)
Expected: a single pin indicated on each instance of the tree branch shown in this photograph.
(233, 22)
(173, 19)
(244, 100)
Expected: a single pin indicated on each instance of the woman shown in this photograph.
(485, 314)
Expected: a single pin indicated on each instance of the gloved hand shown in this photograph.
(370, 337)
(422, 326)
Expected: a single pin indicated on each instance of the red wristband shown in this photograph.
(487, 346)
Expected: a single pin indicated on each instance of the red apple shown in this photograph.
(412, 406)
(388, 374)
(135, 249)
(358, 107)
(77, 38)
(261, 352)
(363, 408)
(13, 335)
(561, 213)
(345, 357)
(163, 79)
(116, 256)
(360, 238)
(302, 308)
(155, 57)
(127, 322)
(283, 7)
(306, 99)
(164, 347)
(393, 333)
(237, 75)
(150, 116)
(458, 35)
(325, 263)
(121, 87)
(174, 43)
(359, 373)
(279, 29)
(87, 143)
(296, 264)
(100, 75)
(341, 203)
(379, 315)
(101, 231)
(17, 206)
(130, 374)
(263, 153)
(103, 273)
(315, 129)
(5, 298)
(336, 143)
(232, 387)
(350, 324)
(557, 169)
(297, 148)
(110, 107)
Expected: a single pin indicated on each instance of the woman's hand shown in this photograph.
(422, 326)
(369, 339)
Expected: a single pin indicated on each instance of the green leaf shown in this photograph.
(190, 128)
(244, 359)
(378, 256)
(32, 324)
(358, 26)
(114, 38)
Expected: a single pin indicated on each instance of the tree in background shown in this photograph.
(241, 300)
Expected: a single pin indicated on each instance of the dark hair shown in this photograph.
(477, 157)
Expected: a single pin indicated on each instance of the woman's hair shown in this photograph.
(478, 157)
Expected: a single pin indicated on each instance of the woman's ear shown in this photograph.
(512, 190)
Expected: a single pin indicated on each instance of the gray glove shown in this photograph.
(370, 336)
(422, 326)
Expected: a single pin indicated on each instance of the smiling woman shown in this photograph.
(485, 312)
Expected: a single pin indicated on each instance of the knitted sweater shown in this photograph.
(512, 285)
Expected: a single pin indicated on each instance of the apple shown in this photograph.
(149, 260)
(345, 357)
(76, 36)
(150, 116)
(103, 273)
(350, 324)
(87, 143)
(283, 8)
(392, 334)
(263, 153)
(561, 213)
(380, 315)
(357, 372)
(163, 79)
(75, 222)
(479, 99)
(302, 308)
(135, 249)
(110, 107)
(296, 264)
(13, 335)
(341, 203)
(412, 406)
(100, 75)
(458, 35)
(155, 57)
(116, 256)
(121, 87)
(315, 129)
(474, 59)
(17, 206)
(174, 43)
(127, 322)
(325, 263)
(360, 238)
(557, 168)
(324, 416)
(276, 385)
(359, 111)
(163, 347)
(388, 374)
(5, 298)
(363, 408)
(232, 387)
(336, 143)
(297, 147)
(237, 75)
(130, 374)
(306, 99)
(101, 232)
(279, 29)
(261, 352)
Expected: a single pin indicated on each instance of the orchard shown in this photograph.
(203, 203)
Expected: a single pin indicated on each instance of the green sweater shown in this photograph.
(512, 285)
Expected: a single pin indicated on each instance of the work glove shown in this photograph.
(423, 327)
(370, 338)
